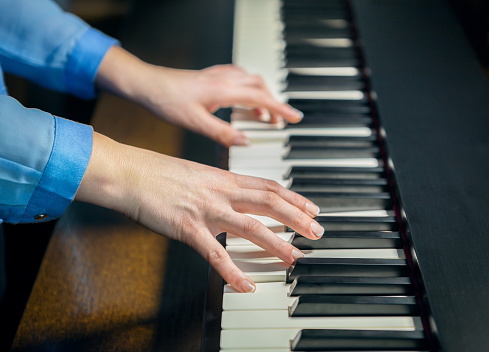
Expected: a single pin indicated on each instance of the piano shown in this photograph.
(400, 173)
(392, 148)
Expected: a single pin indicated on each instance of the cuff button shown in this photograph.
(40, 217)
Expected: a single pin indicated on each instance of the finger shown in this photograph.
(217, 129)
(261, 98)
(219, 259)
(272, 205)
(254, 231)
(293, 198)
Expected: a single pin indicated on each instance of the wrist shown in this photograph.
(105, 180)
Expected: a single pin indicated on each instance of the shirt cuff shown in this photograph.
(84, 61)
(63, 173)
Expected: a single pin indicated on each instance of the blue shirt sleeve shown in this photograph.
(42, 161)
(53, 48)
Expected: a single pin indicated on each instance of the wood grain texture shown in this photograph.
(107, 284)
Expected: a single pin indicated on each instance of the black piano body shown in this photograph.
(432, 101)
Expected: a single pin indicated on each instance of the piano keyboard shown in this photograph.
(352, 291)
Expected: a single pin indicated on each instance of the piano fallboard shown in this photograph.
(433, 103)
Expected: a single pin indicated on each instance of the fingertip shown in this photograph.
(295, 115)
(264, 116)
(300, 114)
(317, 230)
(240, 140)
(296, 254)
(312, 209)
(247, 286)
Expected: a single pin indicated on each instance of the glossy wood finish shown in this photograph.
(107, 284)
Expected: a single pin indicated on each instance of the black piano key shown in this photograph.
(357, 219)
(335, 202)
(331, 285)
(353, 305)
(333, 120)
(359, 340)
(328, 4)
(360, 223)
(318, 172)
(366, 267)
(349, 240)
(322, 12)
(306, 181)
(299, 50)
(332, 141)
(331, 106)
(323, 83)
(315, 152)
(351, 188)
(295, 62)
(316, 31)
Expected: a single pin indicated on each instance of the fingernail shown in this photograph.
(299, 113)
(242, 140)
(312, 209)
(247, 286)
(317, 229)
(297, 254)
(265, 116)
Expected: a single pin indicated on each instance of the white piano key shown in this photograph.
(330, 42)
(370, 213)
(233, 240)
(264, 287)
(325, 71)
(258, 44)
(335, 23)
(268, 133)
(242, 124)
(261, 340)
(332, 95)
(256, 253)
(256, 301)
(264, 270)
(284, 165)
(258, 150)
(279, 319)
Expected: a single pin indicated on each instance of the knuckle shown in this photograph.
(300, 218)
(270, 199)
(216, 256)
(251, 227)
(271, 185)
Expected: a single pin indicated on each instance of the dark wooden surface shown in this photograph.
(434, 105)
(107, 284)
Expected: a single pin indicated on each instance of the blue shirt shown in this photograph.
(43, 157)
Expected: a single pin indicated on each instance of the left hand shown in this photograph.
(188, 98)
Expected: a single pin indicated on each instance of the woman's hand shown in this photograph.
(194, 203)
(188, 98)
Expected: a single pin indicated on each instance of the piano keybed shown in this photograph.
(352, 291)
